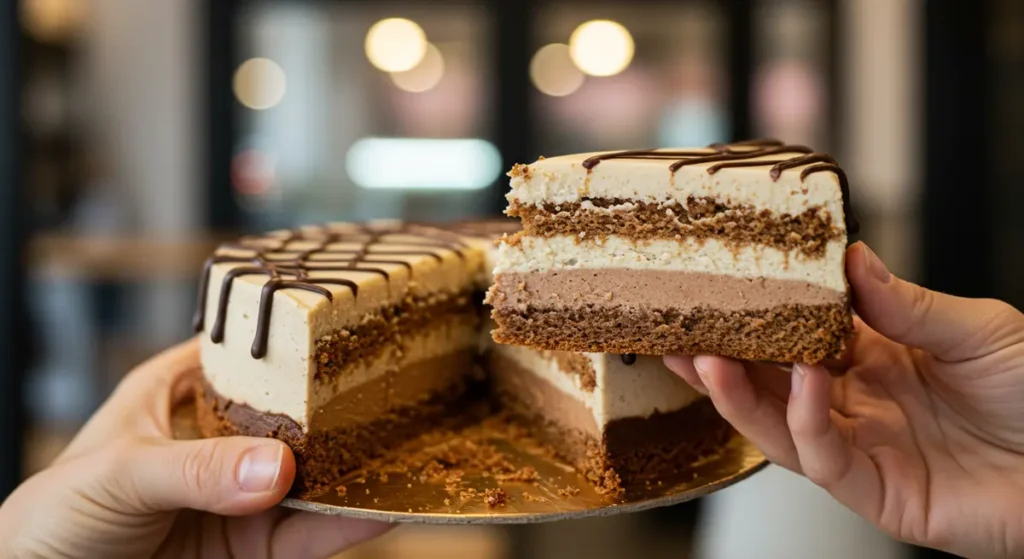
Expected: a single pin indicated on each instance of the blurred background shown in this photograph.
(136, 134)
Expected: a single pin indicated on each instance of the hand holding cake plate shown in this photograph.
(492, 473)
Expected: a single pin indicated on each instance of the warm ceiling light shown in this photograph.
(553, 72)
(259, 83)
(396, 44)
(424, 76)
(601, 47)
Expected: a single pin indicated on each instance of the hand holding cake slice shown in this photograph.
(734, 249)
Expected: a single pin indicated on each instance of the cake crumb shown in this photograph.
(409, 485)
(367, 491)
(520, 170)
(467, 495)
(495, 497)
(376, 500)
(447, 502)
(525, 474)
(383, 477)
(569, 491)
(341, 490)
(530, 497)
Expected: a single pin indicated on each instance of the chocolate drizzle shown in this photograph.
(291, 268)
(742, 154)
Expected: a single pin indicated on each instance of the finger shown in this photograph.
(752, 411)
(826, 456)
(309, 535)
(224, 475)
(941, 324)
(772, 378)
(682, 365)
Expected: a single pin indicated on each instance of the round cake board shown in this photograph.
(550, 490)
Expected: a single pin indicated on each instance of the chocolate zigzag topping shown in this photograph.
(289, 268)
(741, 154)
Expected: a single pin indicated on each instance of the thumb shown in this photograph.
(224, 475)
(950, 328)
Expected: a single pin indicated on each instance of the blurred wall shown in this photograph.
(141, 63)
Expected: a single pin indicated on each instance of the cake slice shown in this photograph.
(617, 421)
(341, 340)
(734, 250)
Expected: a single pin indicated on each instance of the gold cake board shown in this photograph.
(555, 492)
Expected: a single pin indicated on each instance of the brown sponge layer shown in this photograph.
(701, 218)
(785, 333)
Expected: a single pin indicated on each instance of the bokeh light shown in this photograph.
(423, 163)
(395, 44)
(601, 47)
(553, 72)
(259, 83)
(425, 75)
(53, 20)
(252, 172)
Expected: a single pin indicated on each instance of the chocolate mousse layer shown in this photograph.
(613, 456)
(701, 218)
(656, 289)
(656, 312)
(356, 425)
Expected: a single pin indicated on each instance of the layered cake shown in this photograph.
(345, 340)
(341, 340)
(733, 249)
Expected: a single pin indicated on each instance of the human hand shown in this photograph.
(923, 435)
(125, 488)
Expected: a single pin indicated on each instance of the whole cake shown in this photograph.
(733, 249)
(344, 340)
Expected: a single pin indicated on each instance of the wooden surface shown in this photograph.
(120, 258)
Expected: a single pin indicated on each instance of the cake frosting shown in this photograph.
(565, 179)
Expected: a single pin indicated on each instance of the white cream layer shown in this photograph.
(563, 179)
(712, 256)
(641, 390)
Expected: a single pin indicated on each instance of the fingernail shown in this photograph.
(259, 468)
(701, 373)
(875, 265)
(797, 382)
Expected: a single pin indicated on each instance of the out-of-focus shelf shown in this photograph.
(117, 259)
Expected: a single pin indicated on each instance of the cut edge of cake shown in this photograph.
(735, 250)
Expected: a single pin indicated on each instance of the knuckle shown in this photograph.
(921, 303)
(200, 467)
(819, 475)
